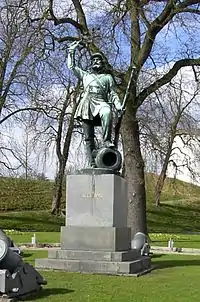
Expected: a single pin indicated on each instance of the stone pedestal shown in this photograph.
(96, 201)
(96, 237)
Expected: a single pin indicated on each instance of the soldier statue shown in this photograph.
(97, 102)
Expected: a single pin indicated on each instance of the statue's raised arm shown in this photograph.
(71, 60)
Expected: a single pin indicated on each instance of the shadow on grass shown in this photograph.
(157, 256)
(183, 208)
(178, 262)
(48, 292)
(27, 255)
(43, 219)
(173, 218)
(28, 221)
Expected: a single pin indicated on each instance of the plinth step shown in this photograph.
(94, 255)
(89, 266)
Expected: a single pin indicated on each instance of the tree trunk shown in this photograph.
(58, 190)
(161, 179)
(134, 172)
(62, 157)
(159, 187)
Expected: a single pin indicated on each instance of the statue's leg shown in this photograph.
(106, 122)
(88, 130)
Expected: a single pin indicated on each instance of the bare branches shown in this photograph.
(81, 25)
(166, 78)
(153, 29)
(80, 15)
(184, 5)
(21, 110)
(52, 12)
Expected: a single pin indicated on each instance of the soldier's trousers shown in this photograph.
(105, 115)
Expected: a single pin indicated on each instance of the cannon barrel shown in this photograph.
(9, 259)
(108, 158)
(4, 237)
(17, 279)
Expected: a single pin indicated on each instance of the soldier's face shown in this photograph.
(97, 63)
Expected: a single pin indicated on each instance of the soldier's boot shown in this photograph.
(90, 148)
(88, 130)
(106, 122)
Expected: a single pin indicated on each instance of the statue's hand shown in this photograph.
(74, 45)
(118, 107)
(120, 111)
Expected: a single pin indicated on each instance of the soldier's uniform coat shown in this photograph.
(98, 92)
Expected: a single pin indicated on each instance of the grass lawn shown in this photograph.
(174, 218)
(157, 239)
(41, 237)
(175, 279)
(41, 221)
(165, 219)
(25, 206)
(180, 240)
(178, 214)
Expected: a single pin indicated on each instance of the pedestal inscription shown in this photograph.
(96, 200)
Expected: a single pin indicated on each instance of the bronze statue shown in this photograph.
(98, 100)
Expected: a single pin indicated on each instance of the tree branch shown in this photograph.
(153, 29)
(166, 78)
(81, 25)
(20, 110)
(184, 4)
(81, 15)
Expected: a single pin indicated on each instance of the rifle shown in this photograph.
(118, 124)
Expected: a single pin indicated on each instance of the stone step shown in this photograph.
(94, 255)
(89, 266)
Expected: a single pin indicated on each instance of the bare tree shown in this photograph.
(62, 148)
(145, 27)
(19, 43)
(168, 116)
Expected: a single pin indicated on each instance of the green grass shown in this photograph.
(180, 240)
(175, 279)
(31, 221)
(179, 211)
(165, 219)
(29, 256)
(180, 207)
(174, 191)
(19, 194)
(41, 237)
(157, 239)
(173, 218)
